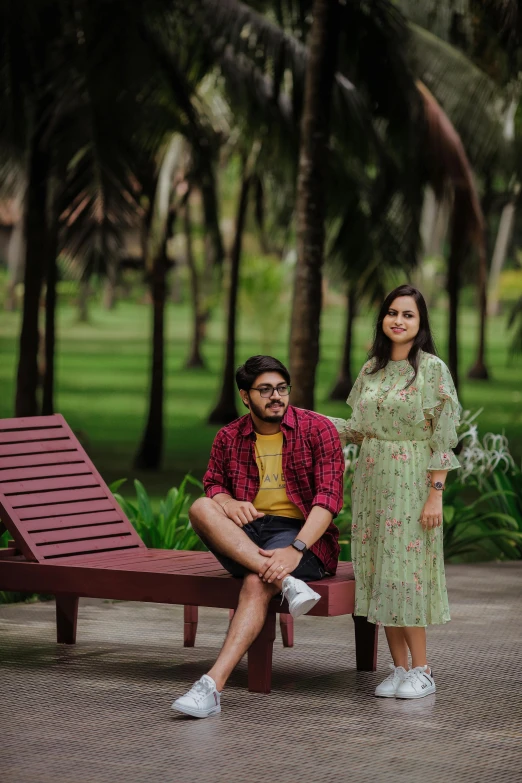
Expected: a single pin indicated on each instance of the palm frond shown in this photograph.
(469, 97)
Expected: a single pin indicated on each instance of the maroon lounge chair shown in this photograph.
(71, 539)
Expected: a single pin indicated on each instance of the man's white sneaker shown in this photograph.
(201, 701)
(417, 684)
(388, 687)
(301, 598)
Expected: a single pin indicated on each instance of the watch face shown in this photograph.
(299, 545)
(438, 485)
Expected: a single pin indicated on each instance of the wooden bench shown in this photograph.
(71, 539)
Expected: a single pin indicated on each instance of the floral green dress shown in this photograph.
(405, 433)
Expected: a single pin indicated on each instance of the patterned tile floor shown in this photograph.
(100, 711)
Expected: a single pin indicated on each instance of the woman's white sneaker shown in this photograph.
(201, 701)
(417, 684)
(301, 598)
(388, 687)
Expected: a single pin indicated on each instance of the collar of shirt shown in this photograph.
(288, 422)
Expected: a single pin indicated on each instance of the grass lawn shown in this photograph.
(102, 381)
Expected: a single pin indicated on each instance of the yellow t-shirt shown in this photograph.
(272, 498)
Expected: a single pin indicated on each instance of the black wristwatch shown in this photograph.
(299, 545)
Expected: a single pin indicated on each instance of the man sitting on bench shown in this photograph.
(274, 484)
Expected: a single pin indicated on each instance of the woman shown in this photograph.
(404, 413)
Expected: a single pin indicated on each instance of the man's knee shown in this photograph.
(254, 588)
(200, 511)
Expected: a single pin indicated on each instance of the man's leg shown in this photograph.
(244, 628)
(224, 536)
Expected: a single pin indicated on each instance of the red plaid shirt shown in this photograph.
(313, 466)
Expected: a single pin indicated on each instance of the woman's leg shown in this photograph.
(415, 638)
(398, 647)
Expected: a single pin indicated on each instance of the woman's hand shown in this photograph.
(432, 512)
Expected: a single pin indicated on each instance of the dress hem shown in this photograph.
(400, 625)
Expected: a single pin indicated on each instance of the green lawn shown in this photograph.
(102, 378)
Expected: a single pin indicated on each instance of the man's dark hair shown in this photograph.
(256, 365)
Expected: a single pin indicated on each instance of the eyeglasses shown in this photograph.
(267, 391)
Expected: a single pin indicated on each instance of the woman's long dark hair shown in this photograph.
(382, 345)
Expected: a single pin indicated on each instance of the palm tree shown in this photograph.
(225, 410)
(311, 199)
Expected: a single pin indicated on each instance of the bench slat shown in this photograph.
(68, 457)
(44, 471)
(84, 533)
(61, 496)
(22, 436)
(72, 521)
(118, 542)
(39, 447)
(32, 422)
(37, 512)
(15, 488)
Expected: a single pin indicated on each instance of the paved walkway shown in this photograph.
(99, 711)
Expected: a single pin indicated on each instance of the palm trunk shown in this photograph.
(50, 321)
(150, 452)
(83, 301)
(35, 229)
(479, 370)
(195, 359)
(504, 234)
(344, 383)
(458, 252)
(311, 198)
(225, 410)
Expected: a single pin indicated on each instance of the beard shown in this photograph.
(264, 413)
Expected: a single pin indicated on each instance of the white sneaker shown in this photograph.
(417, 684)
(201, 701)
(300, 597)
(388, 687)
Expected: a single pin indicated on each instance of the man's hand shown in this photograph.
(432, 512)
(279, 563)
(241, 512)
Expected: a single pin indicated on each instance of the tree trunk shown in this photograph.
(225, 410)
(311, 198)
(50, 316)
(195, 359)
(109, 288)
(458, 251)
(504, 234)
(83, 301)
(344, 383)
(35, 229)
(479, 370)
(150, 453)
(15, 262)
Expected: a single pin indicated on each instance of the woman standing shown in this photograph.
(404, 413)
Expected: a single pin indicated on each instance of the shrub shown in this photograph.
(168, 527)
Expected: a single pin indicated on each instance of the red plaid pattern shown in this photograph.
(313, 465)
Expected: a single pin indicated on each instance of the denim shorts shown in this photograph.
(271, 532)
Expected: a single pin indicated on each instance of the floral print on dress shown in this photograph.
(405, 432)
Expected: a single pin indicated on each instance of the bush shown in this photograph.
(169, 527)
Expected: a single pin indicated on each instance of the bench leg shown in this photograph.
(66, 618)
(260, 657)
(190, 625)
(366, 637)
(286, 623)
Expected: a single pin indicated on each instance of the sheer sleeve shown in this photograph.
(441, 406)
(352, 430)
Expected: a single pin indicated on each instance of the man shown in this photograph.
(273, 485)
